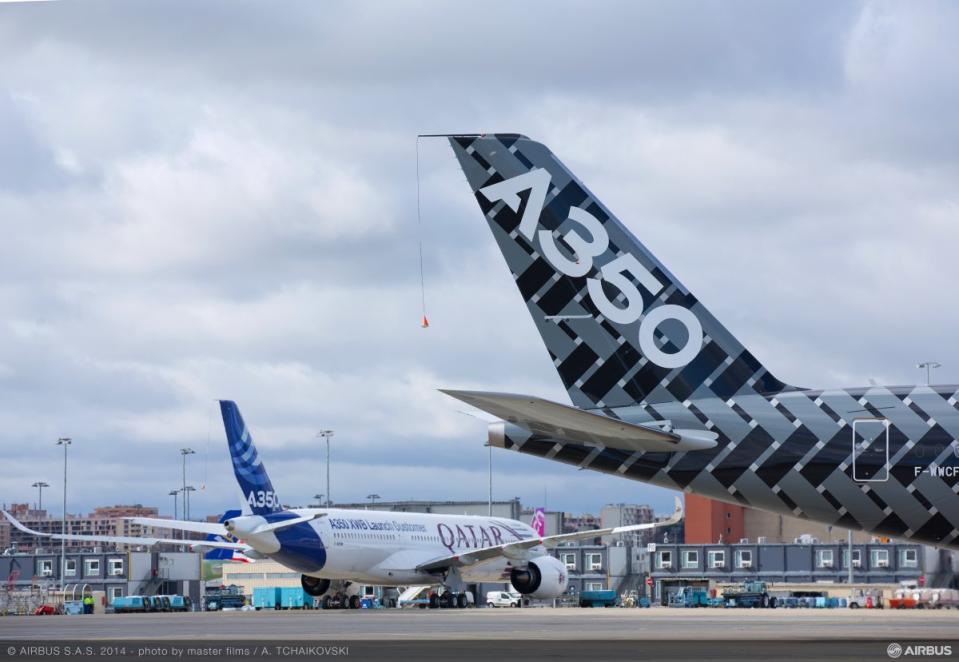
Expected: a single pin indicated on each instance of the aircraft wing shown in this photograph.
(129, 540)
(558, 421)
(519, 550)
(215, 528)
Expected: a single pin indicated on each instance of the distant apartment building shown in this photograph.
(583, 522)
(712, 522)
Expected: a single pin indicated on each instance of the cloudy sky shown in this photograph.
(205, 200)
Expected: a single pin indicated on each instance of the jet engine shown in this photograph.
(314, 585)
(543, 577)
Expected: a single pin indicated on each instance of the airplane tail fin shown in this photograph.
(539, 522)
(620, 328)
(258, 492)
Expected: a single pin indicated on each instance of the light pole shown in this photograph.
(186, 498)
(929, 366)
(40, 485)
(64, 441)
(184, 452)
(326, 434)
(173, 494)
(372, 498)
(319, 500)
(488, 444)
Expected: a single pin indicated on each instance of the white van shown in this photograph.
(503, 599)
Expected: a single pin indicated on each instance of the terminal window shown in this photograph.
(91, 567)
(856, 558)
(909, 558)
(115, 567)
(690, 558)
(824, 558)
(879, 558)
(569, 560)
(45, 568)
(594, 561)
(664, 560)
(717, 558)
(744, 558)
(70, 568)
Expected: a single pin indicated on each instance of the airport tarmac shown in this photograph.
(504, 624)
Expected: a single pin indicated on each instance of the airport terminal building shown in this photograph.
(115, 573)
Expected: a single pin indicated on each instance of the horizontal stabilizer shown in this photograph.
(287, 523)
(551, 419)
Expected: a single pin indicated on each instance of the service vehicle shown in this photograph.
(503, 599)
(598, 599)
(750, 594)
(688, 597)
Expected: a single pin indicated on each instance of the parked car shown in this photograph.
(866, 599)
(503, 599)
(46, 610)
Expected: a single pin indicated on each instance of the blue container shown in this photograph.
(294, 597)
(266, 597)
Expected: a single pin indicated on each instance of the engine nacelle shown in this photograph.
(543, 578)
(314, 585)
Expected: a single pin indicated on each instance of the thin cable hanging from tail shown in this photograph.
(206, 452)
(425, 323)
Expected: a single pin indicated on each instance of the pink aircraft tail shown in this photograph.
(539, 522)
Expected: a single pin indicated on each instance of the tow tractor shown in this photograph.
(752, 594)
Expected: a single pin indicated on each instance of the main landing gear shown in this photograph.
(448, 600)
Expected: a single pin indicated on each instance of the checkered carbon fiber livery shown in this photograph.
(880, 459)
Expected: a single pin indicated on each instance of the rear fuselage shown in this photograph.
(883, 460)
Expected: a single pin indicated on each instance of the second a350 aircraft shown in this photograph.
(663, 393)
(332, 546)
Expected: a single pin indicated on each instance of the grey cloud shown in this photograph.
(218, 199)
